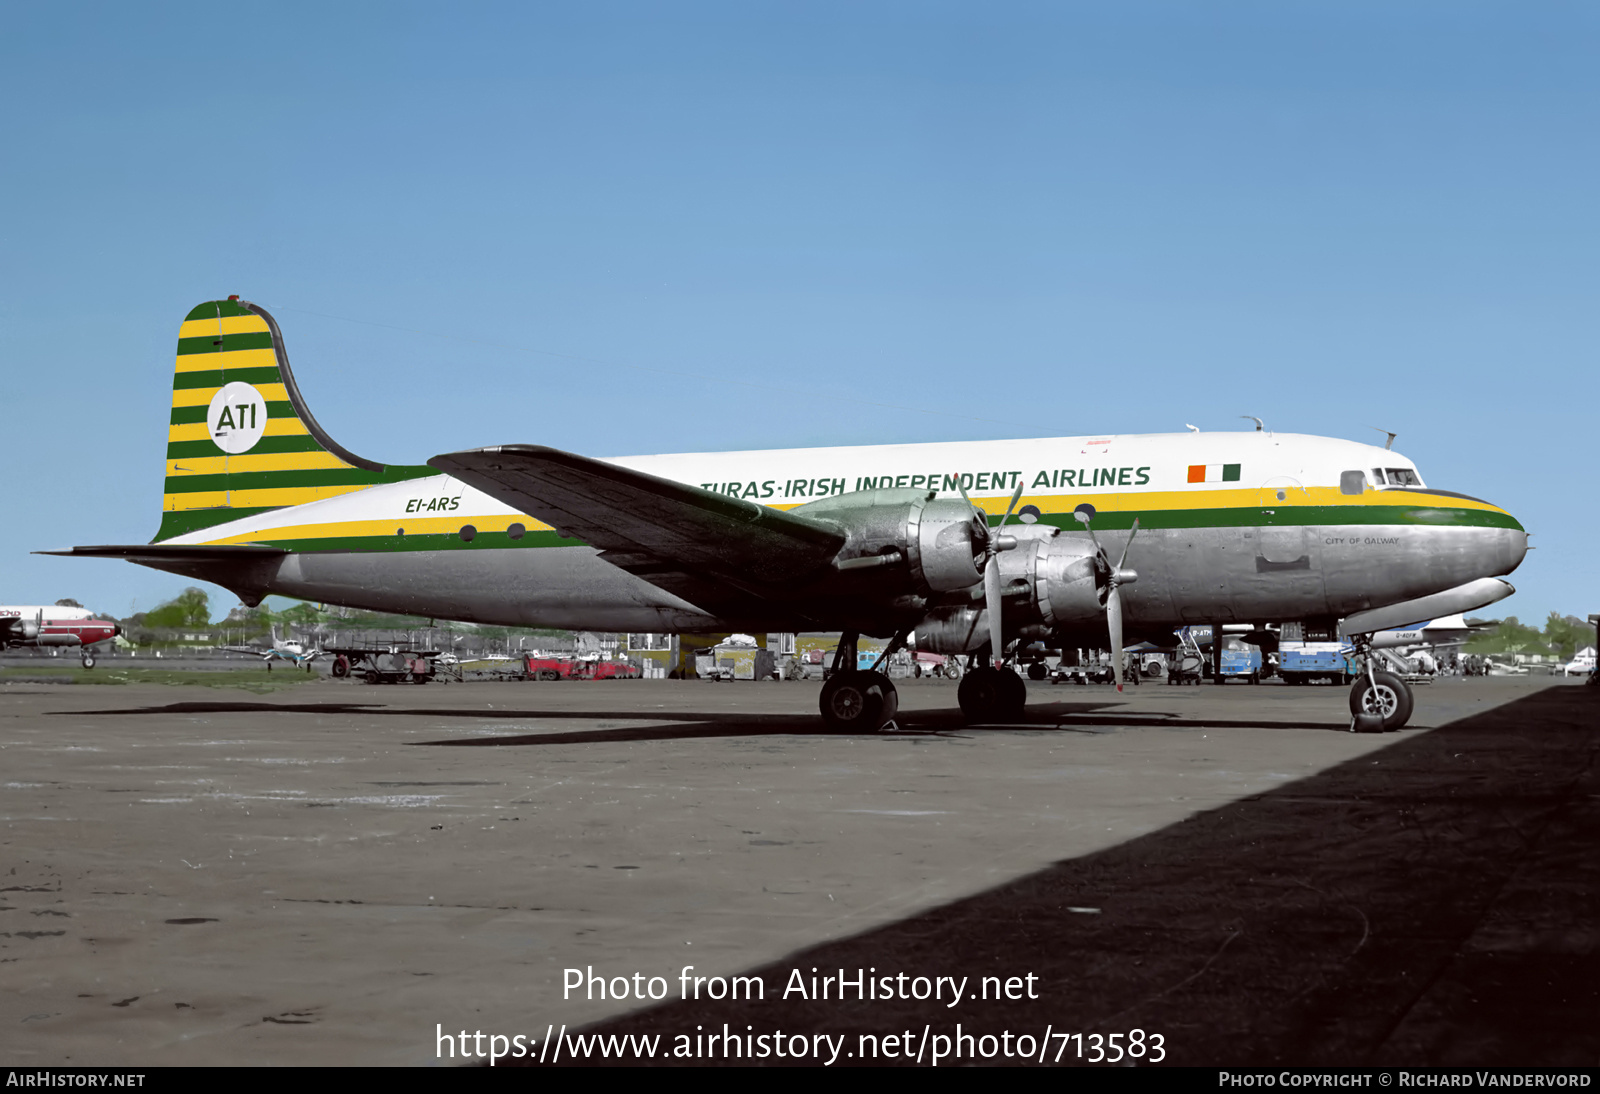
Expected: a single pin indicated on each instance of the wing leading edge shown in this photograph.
(648, 525)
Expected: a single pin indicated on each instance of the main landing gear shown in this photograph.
(988, 694)
(1380, 702)
(859, 700)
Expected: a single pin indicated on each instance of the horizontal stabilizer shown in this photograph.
(633, 516)
(139, 552)
(246, 569)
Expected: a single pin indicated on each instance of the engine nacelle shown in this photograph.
(30, 629)
(1048, 580)
(940, 541)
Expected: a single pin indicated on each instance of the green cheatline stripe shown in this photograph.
(219, 343)
(213, 308)
(433, 541)
(283, 480)
(189, 415)
(188, 450)
(185, 381)
(1327, 516)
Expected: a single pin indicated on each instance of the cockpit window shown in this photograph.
(1377, 476)
(1403, 476)
(1352, 482)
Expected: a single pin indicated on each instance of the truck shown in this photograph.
(736, 658)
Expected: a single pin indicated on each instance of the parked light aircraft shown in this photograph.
(291, 650)
(1116, 538)
(35, 625)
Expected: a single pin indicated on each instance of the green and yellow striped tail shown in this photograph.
(241, 439)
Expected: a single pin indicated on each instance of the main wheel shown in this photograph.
(952, 669)
(854, 701)
(88, 659)
(992, 695)
(1037, 671)
(1383, 693)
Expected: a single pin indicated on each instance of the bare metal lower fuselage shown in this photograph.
(1196, 575)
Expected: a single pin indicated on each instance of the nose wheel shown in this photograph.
(1382, 695)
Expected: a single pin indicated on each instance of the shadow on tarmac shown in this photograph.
(1063, 717)
(1431, 903)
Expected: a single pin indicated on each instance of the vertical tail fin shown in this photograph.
(241, 439)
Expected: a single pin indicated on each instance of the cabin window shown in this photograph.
(1403, 476)
(1352, 482)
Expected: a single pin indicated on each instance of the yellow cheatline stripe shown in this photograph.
(230, 324)
(265, 461)
(276, 498)
(233, 358)
(1264, 498)
(276, 427)
(414, 526)
(202, 396)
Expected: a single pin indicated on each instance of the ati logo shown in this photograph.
(237, 417)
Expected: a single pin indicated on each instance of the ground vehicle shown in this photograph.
(1315, 662)
(384, 666)
(539, 667)
(737, 658)
(1241, 660)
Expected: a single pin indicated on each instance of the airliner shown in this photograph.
(36, 625)
(969, 548)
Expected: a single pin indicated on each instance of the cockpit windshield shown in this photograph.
(1396, 476)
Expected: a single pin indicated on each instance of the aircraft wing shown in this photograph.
(654, 527)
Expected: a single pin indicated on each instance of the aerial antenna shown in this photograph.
(1259, 424)
(1388, 444)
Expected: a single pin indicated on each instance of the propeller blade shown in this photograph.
(1114, 625)
(1129, 543)
(991, 596)
(1016, 496)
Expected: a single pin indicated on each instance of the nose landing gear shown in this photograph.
(1380, 702)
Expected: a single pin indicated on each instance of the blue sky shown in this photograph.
(623, 228)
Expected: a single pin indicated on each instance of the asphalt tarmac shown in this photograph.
(343, 874)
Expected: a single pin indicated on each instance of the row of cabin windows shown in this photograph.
(1355, 482)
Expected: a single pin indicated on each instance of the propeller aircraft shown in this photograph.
(888, 541)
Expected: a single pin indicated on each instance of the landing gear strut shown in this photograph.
(856, 700)
(1379, 701)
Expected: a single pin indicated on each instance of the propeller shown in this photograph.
(1116, 577)
(991, 572)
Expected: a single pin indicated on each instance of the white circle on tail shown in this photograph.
(237, 417)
